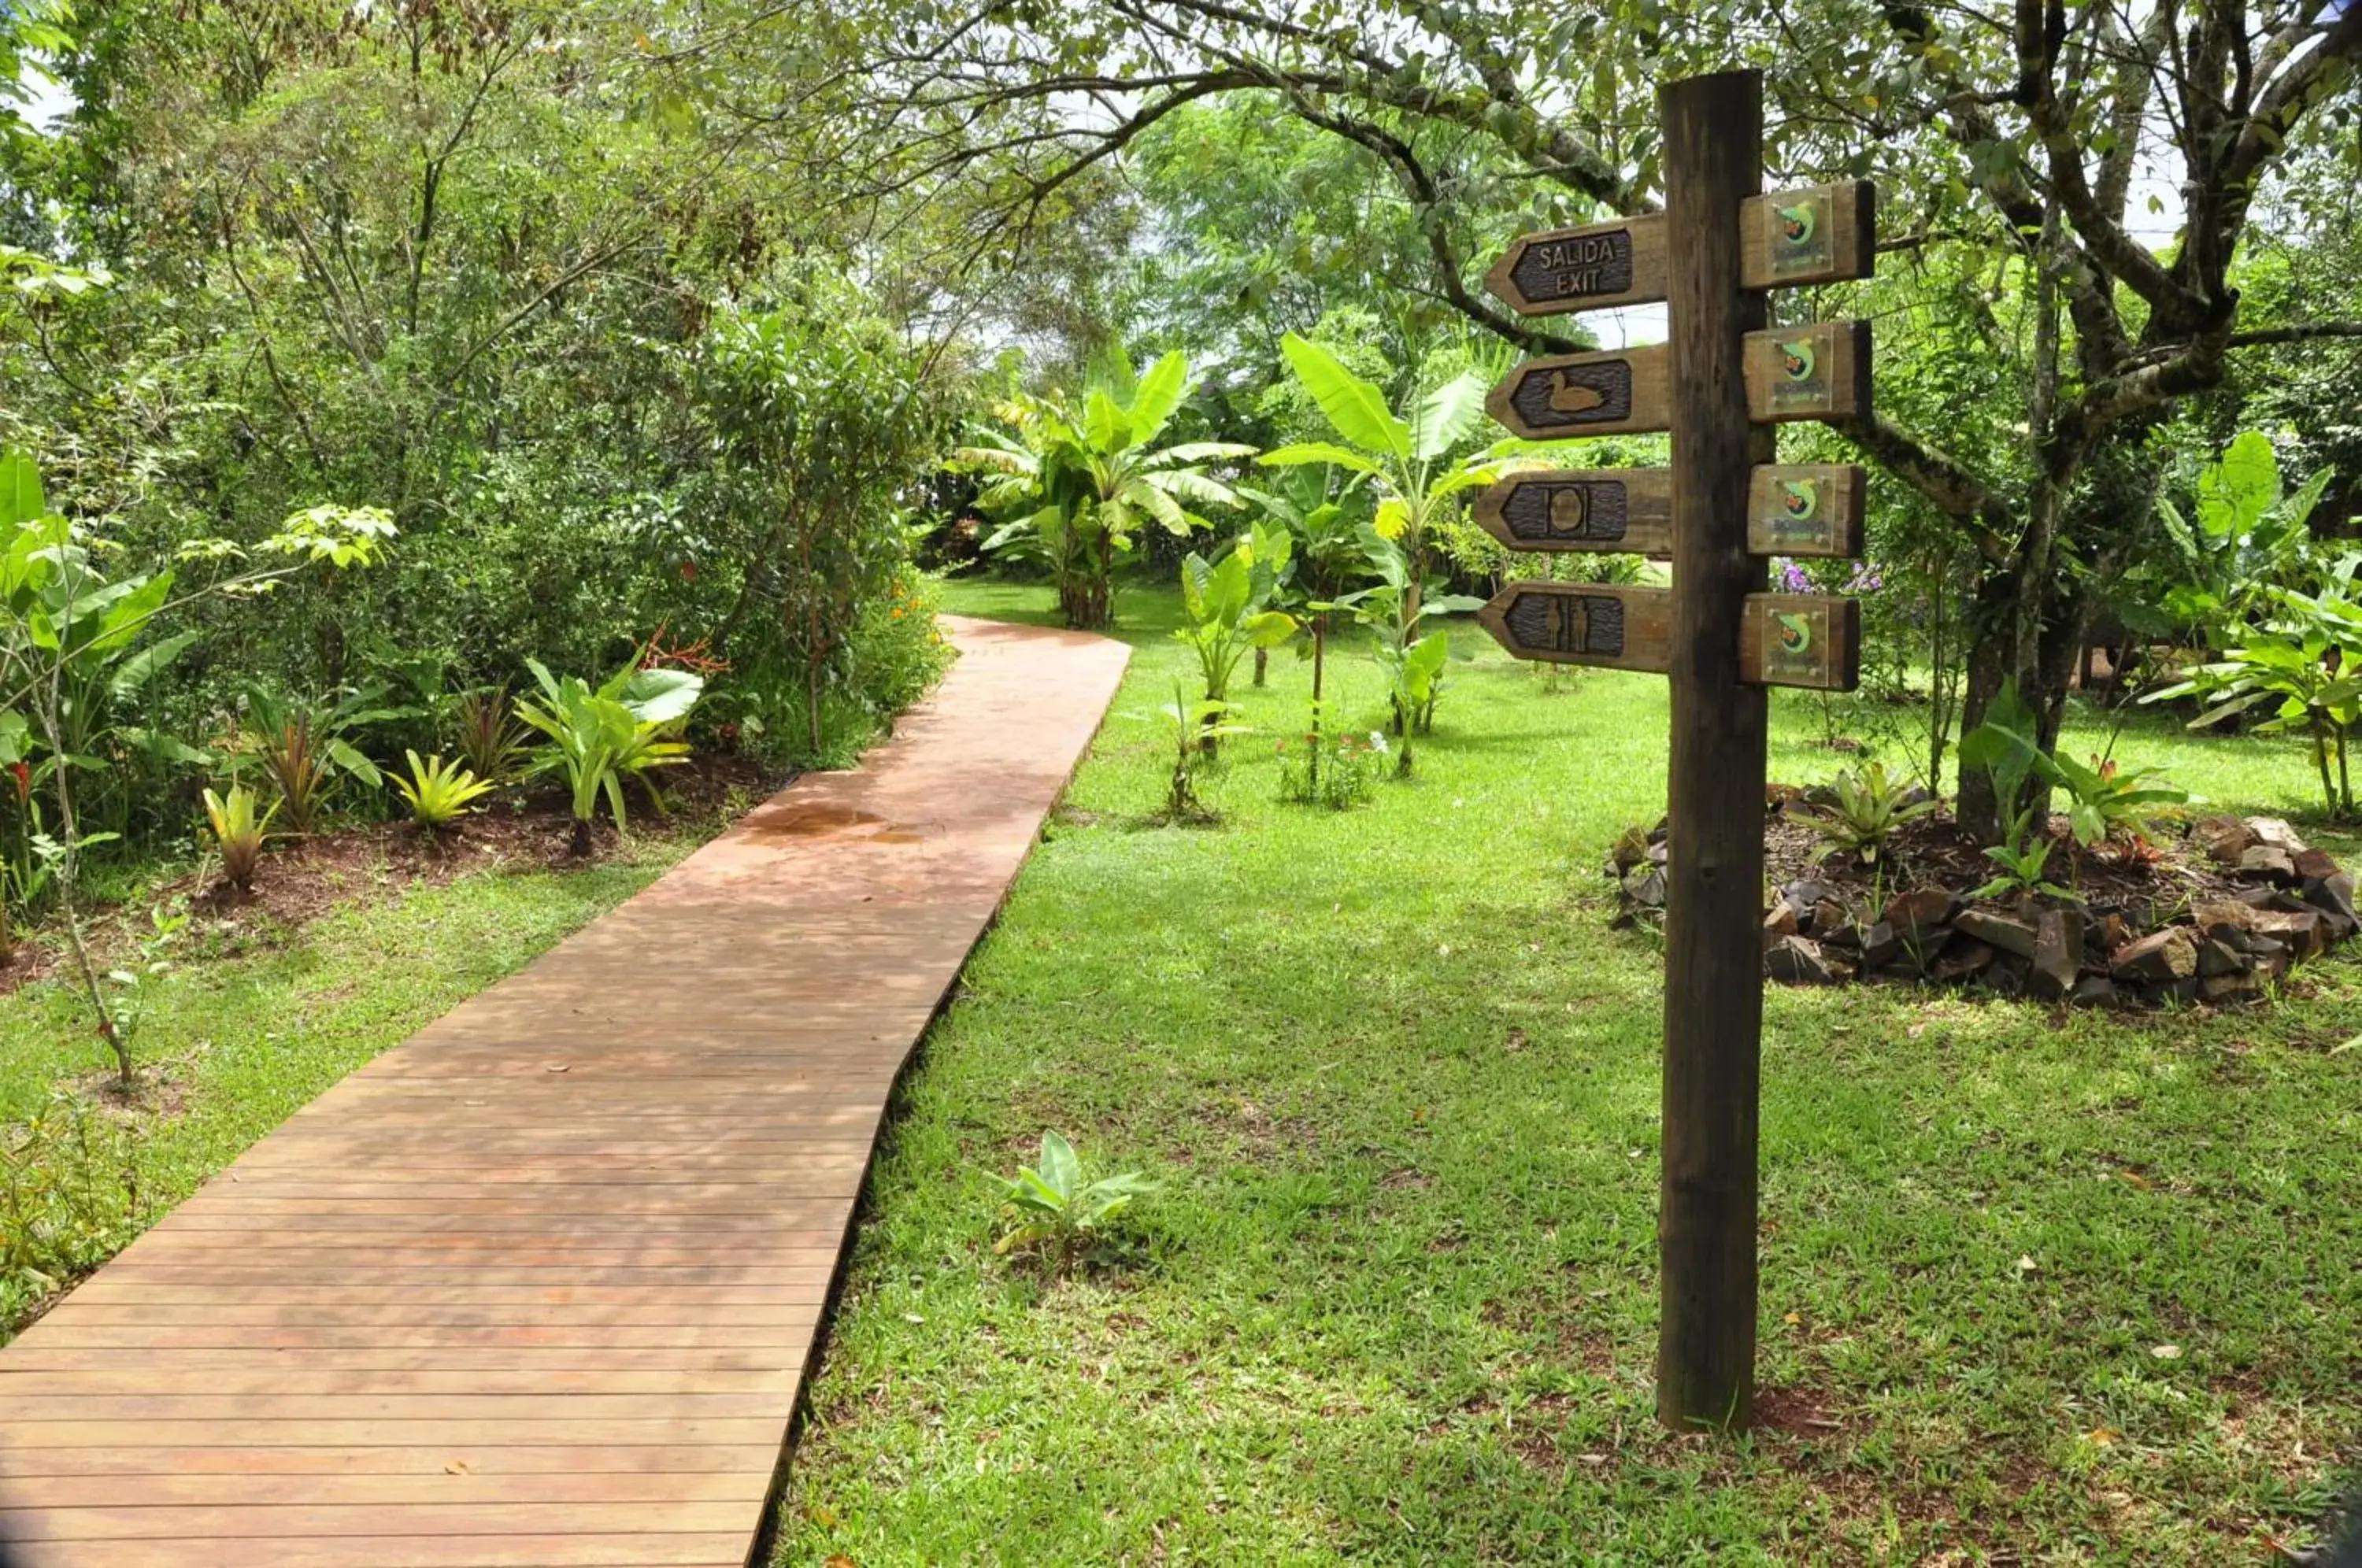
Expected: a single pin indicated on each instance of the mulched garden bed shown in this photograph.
(302, 879)
(2214, 915)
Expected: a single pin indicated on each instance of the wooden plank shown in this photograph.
(1820, 233)
(1814, 372)
(539, 1287)
(720, 1550)
(1793, 509)
(1806, 640)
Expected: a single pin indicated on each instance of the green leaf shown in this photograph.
(1161, 388)
(1446, 415)
(1059, 1167)
(1319, 452)
(136, 670)
(1356, 409)
(21, 500)
(2235, 492)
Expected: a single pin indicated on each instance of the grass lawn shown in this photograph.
(2036, 1288)
(250, 1024)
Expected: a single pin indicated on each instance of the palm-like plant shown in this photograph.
(598, 737)
(1077, 479)
(1408, 457)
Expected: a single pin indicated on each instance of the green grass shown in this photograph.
(1397, 1301)
(243, 1032)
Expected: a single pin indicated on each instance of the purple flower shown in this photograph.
(1791, 576)
(1868, 578)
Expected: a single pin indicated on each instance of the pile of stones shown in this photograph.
(2265, 901)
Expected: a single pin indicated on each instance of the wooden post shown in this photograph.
(1713, 960)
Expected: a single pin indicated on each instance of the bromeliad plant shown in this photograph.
(306, 750)
(438, 793)
(239, 834)
(1053, 1206)
(597, 738)
(491, 740)
(1078, 480)
(1868, 807)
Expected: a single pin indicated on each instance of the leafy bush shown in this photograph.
(491, 737)
(1334, 769)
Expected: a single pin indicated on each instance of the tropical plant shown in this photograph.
(1412, 657)
(2023, 871)
(239, 834)
(305, 749)
(1052, 1204)
(490, 738)
(1228, 604)
(2006, 747)
(597, 738)
(2247, 537)
(1407, 458)
(438, 793)
(66, 625)
(1199, 730)
(2107, 801)
(1868, 807)
(1078, 480)
(2304, 666)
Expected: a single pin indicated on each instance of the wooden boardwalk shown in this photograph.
(539, 1287)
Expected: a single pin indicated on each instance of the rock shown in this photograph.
(2004, 931)
(2007, 976)
(1879, 947)
(2334, 895)
(2093, 990)
(1801, 896)
(1799, 961)
(2268, 860)
(2302, 932)
(2226, 987)
(2316, 865)
(1916, 913)
(1631, 848)
(1660, 852)
(2110, 933)
(2276, 833)
(2270, 958)
(2161, 956)
(1779, 924)
(2224, 918)
(2217, 958)
(1962, 958)
(2181, 990)
(2058, 954)
(2223, 838)
(1831, 917)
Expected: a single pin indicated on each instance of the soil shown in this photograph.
(302, 879)
(1934, 851)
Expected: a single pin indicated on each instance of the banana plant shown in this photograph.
(1078, 478)
(1412, 657)
(1408, 457)
(598, 737)
(1052, 1202)
(1228, 604)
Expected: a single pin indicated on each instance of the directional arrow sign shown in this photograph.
(1817, 235)
(1785, 639)
(1820, 371)
(1793, 509)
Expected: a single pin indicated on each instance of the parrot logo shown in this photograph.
(1796, 225)
(1799, 499)
(1795, 634)
(1797, 359)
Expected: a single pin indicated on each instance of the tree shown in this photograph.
(2008, 142)
(1084, 476)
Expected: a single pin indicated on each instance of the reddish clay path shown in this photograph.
(537, 1287)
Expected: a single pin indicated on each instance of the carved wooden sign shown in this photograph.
(1793, 509)
(1821, 235)
(1785, 639)
(1820, 371)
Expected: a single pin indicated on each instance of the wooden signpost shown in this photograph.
(1720, 386)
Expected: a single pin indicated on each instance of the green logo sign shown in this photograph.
(1798, 361)
(1797, 225)
(1799, 500)
(1795, 635)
